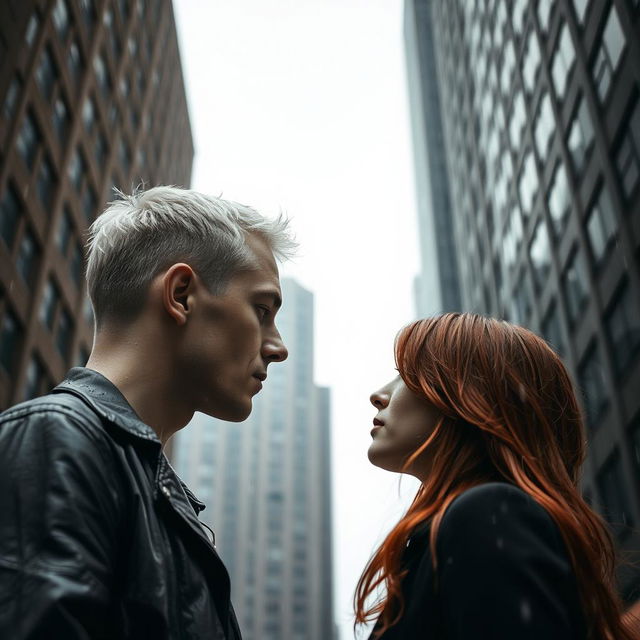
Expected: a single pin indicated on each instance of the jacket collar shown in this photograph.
(105, 399)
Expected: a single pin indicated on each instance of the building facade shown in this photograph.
(91, 97)
(541, 115)
(436, 288)
(266, 484)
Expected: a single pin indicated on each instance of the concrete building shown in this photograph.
(541, 109)
(266, 484)
(437, 286)
(91, 97)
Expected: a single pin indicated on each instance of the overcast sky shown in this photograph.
(301, 106)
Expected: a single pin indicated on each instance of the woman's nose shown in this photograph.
(379, 399)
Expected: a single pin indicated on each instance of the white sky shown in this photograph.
(301, 105)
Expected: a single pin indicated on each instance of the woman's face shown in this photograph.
(404, 421)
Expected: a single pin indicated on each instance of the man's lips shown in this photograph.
(376, 426)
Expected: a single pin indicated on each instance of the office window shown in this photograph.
(544, 13)
(64, 334)
(627, 157)
(521, 302)
(102, 74)
(75, 62)
(528, 183)
(518, 14)
(46, 73)
(89, 203)
(580, 7)
(32, 29)
(609, 54)
(124, 155)
(544, 126)
(622, 324)
(60, 17)
(46, 183)
(559, 199)
(508, 65)
(540, 254)
(88, 12)
(580, 137)
(592, 384)
(89, 114)
(28, 140)
(64, 231)
(531, 63)
(37, 382)
(50, 299)
(612, 488)
(61, 119)
(601, 225)
(10, 337)
(517, 120)
(10, 212)
(563, 59)
(101, 149)
(576, 286)
(512, 239)
(27, 259)
(552, 329)
(11, 98)
(77, 169)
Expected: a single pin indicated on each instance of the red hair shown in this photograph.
(509, 413)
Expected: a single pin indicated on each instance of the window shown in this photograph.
(101, 149)
(612, 488)
(609, 53)
(102, 75)
(528, 183)
(552, 329)
(75, 62)
(124, 155)
(580, 7)
(27, 259)
(592, 384)
(628, 155)
(10, 338)
(64, 334)
(576, 286)
(544, 13)
(89, 203)
(11, 99)
(61, 119)
(508, 65)
(531, 62)
(580, 137)
(559, 199)
(46, 74)
(64, 231)
(28, 140)
(512, 239)
(622, 324)
(518, 118)
(50, 299)
(601, 225)
(518, 15)
(563, 59)
(32, 29)
(46, 183)
(521, 303)
(76, 264)
(60, 17)
(37, 382)
(77, 169)
(89, 114)
(10, 212)
(88, 12)
(544, 126)
(540, 254)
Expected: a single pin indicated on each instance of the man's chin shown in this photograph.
(235, 413)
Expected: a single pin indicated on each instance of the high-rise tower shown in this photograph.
(91, 97)
(266, 484)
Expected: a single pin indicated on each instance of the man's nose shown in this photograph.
(273, 349)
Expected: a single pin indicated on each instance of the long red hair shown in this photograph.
(509, 413)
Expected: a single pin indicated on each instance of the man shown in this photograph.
(98, 536)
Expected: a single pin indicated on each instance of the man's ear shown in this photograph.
(178, 283)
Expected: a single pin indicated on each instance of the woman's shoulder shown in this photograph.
(501, 512)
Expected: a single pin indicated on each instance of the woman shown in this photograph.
(498, 543)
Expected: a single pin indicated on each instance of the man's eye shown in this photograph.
(263, 312)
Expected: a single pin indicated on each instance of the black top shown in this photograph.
(503, 574)
(99, 539)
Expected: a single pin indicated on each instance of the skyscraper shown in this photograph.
(437, 286)
(266, 483)
(540, 104)
(91, 97)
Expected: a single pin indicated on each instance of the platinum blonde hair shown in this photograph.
(140, 235)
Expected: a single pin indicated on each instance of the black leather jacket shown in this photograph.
(99, 538)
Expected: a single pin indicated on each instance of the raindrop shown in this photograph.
(525, 610)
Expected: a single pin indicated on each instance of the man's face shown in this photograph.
(230, 339)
